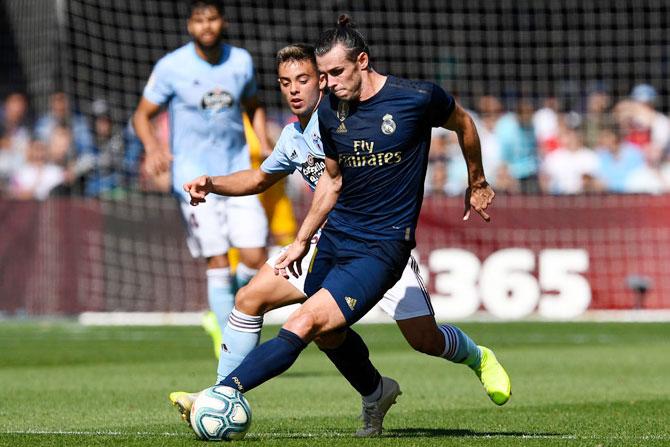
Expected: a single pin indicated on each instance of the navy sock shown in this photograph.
(352, 360)
(266, 361)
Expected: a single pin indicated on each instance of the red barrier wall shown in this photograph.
(68, 255)
(622, 235)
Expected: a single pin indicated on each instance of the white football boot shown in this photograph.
(373, 413)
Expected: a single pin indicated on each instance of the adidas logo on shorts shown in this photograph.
(351, 302)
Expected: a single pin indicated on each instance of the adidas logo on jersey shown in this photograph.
(351, 302)
(293, 155)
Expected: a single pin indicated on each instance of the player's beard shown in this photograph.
(215, 44)
(354, 92)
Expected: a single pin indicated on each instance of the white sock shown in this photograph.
(220, 293)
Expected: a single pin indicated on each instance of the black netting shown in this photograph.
(506, 48)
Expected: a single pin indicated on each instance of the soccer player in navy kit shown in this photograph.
(299, 148)
(376, 132)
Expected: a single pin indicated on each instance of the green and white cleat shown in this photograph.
(184, 402)
(494, 377)
(373, 413)
(211, 326)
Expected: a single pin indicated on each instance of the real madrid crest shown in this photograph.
(342, 113)
(388, 125)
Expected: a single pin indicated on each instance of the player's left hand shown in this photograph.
(291, 259)
(478, 197)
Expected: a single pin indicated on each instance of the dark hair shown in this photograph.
(344, 33)
(197, 4)
(296, 52)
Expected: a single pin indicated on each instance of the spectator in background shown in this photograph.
(489, 109)
(656, 124)
(61, 115)
(597, 118)
(14, 136)
(38, 176)
(642, 125)
(618, 159)
(62, 152)
(106, 177)
(570, 168)
(436, 175)
(518, 145)
(447, 170)
(545, 123)
(653, 177)
(447, 173)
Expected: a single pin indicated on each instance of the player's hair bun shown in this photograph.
(344, 21)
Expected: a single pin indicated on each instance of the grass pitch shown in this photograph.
(573, 384)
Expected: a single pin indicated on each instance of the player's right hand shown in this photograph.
(478, 197)
(157, 161)
(198, 188)
(291, 259)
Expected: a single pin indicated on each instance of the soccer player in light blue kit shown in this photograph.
(205, 85)
(300, 148)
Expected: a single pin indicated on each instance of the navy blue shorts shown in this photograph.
(356, 272)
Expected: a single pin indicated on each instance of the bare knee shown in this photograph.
(331, 340)
(218, 261)
(253, 257)
(304, 325)
(250, 302)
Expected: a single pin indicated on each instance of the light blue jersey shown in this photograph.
(204, 103)
(298, 149)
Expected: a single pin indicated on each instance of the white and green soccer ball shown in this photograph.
(220, 413)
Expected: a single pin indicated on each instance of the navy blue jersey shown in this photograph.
(381, 145)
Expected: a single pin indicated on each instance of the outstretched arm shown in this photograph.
(325, 196)
(241, 183)
(479, 194)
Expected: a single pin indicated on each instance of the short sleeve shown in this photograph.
(278, 161)
(250, 87)
(159, 89)
(440, 106)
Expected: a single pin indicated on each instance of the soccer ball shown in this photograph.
(220, 413)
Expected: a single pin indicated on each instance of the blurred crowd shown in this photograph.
(62, 153)
(621, 147)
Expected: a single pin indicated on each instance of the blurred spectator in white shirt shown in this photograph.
(38, 176)
(489, 111)
(14, 136)
(566, 168)
(545, 123)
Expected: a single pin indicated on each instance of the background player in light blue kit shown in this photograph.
(206, 84)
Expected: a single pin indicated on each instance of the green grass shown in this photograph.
(574, 384)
